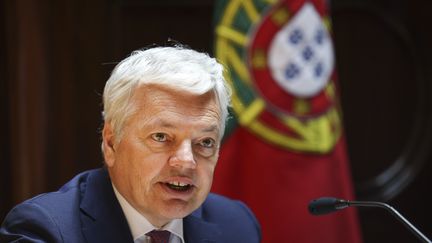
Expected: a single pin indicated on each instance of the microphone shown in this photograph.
(327, 205)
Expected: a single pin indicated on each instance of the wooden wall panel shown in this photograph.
(383, 54)
(26, 77)
(5, 148)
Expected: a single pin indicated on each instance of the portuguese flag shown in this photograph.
(284, 145)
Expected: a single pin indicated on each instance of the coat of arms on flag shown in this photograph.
(284, 88)
(287, 145)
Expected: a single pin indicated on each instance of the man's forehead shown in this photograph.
(165, 107)
(148, 96)
(160, 91)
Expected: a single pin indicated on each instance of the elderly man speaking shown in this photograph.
(164, 110)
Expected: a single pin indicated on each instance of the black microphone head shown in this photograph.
(326, 205)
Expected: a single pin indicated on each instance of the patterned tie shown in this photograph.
(159, 236)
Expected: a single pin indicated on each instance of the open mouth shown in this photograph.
(178, 186)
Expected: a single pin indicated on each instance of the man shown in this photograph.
(164, 110)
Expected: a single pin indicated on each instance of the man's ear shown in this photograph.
(108, 141)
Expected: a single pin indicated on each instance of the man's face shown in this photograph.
(164, 162)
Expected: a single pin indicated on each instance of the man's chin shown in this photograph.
(177, 209)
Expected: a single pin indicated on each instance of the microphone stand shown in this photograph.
(389, 208)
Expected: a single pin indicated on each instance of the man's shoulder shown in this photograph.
(49, 215)
(67, 194)
(216, 202)
(63, 201)
(221, 207)
(234, 218)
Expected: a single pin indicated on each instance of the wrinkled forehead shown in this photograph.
(152, 98)
(155, 90)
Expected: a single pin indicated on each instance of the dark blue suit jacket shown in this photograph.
(86, 210)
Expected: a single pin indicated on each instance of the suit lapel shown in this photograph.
(103, 219)
(101, 214)
(196, 230)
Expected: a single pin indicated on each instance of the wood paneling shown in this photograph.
(382, 53)
(26, 78)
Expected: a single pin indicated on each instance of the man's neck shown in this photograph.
(139, 224)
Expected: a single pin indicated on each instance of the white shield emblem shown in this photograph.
(301, 58)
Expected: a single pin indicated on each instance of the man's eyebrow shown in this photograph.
(168, 124)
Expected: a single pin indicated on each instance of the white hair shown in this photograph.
(174, 67)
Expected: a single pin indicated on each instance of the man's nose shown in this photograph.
(183, 156)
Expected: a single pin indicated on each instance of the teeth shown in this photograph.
(179, 186)
(177, 183)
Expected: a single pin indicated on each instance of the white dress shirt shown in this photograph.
(140, 226)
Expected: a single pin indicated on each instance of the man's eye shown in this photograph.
(208, 143)
(160, 137)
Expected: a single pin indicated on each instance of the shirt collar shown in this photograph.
(139, 225)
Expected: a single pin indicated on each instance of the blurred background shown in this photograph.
(56, 56)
